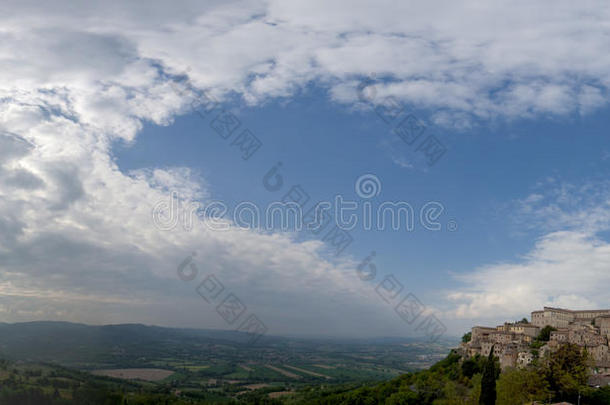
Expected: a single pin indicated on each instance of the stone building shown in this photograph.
(583, 337)
(603, 322)
(508, 357)
(486, 347)
(560, 335)
(561, 318)
(524, 359)
(526, 329)
(599, 353)
(481, 332)
(589, 329)
(501, 337)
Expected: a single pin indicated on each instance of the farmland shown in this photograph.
(210, 364)
(145, 374)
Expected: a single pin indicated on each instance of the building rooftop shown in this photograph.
(570, 311)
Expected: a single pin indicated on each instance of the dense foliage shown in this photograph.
(545, 334)
(454, 380)
(488, 381)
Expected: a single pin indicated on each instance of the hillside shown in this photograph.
(455, 380)
(66, 363)
(209, 363)
(81, 345)
(133, 345)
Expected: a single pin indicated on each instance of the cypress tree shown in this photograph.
(488, 381)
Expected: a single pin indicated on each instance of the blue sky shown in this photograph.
(325, 148)
(95, 138)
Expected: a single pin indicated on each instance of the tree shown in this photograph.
(473, 365)
(402, 398)
(475, 392)
(488, 381)
(566, 370)
(598, 396)
(545, 334)
(521, 386)
(469, 368)
(467, 336)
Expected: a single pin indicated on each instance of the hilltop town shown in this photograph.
(517, 344)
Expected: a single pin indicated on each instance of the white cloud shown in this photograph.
(509, 59)
(78, 241)
(565, 269)
(79, 76)
(556, 205)
(568, 266)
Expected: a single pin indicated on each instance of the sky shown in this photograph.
(137, 142)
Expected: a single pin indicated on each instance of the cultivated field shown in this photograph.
(146, 374)
(307, 372)
(284, 372)
(325, 366)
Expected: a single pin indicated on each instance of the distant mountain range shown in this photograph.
(72, 343)
(88, 346)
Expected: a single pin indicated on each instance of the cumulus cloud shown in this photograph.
(76, 239)
(509, 59)
(568, 266)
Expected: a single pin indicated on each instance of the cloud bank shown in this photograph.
(569, 266)
(76, 240)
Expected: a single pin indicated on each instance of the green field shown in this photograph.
(204, 365)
